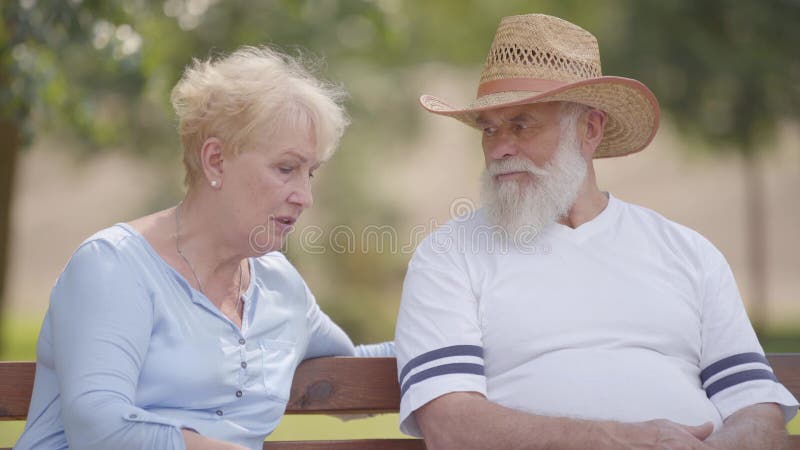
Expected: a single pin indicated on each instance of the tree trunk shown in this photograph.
(10, 137)
(755, 217)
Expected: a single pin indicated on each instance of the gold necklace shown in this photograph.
(185, 259)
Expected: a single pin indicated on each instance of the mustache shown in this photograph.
(508, 165)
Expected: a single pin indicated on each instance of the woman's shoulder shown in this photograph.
(113, 239)
(274, 263)
(115, 246)
(276, 271)
(114, 235)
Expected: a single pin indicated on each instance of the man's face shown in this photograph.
(534, 167)
(526, 131)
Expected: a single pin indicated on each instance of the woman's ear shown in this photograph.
(593, 131)
(211, 158)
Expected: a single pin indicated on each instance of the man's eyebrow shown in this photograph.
(481, 121)
(522, 117)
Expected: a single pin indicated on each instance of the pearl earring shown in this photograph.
(213, 183)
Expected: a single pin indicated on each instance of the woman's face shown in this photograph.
(268, 185)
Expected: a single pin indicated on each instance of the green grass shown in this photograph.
(332, 428)
(290, 428)
(19, 338)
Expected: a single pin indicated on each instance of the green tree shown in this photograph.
(97, 73)
(726, 72)
(33, 84)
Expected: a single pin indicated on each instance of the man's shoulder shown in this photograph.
(453, 234)
(656, 225)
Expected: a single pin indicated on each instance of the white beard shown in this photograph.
(524, 208)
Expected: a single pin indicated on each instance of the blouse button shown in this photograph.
(241, 341)
(219, 412)
(133, 416)
(239, 394)
(244, 365)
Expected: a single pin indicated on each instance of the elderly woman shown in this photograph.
(183, 329)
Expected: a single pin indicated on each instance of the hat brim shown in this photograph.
(631, 108)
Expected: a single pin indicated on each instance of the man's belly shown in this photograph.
(623, 384)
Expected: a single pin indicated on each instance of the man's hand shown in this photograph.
(467, 420)
(660, 434)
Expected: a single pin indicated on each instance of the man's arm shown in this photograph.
(467, 420)
(756, 426)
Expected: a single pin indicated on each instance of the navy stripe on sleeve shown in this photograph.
(444, 352)
(444, 369)
(731, 361)
(738, 378)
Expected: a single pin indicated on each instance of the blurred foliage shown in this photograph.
(98, 74)
(726, 70)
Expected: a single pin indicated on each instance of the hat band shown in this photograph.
(518, 84)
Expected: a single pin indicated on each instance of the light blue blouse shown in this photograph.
(129, 352)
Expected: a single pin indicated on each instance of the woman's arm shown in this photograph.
(101, 319)
(195, 441)
(328, 339)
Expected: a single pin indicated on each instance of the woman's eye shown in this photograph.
(285, 169)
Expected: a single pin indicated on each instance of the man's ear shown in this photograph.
(211, 158)
(592, 131)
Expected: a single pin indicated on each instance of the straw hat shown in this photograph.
(536, 58)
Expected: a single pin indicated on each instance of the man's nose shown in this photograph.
(501, 145)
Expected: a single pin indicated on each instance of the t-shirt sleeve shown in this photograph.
(734, 371)
(438, 336)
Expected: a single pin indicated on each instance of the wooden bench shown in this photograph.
(332, 386)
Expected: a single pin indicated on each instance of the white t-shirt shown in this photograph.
(628, 317)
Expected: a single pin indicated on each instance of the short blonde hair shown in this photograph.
(228, 97)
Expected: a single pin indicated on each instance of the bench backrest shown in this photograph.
(332, 386)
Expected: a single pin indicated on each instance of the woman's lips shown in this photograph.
(284, 224)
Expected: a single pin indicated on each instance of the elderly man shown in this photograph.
(589, 322)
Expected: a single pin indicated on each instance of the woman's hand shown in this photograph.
(196, 441)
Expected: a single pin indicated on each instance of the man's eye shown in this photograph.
(489, 131)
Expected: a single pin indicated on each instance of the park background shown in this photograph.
(88, 138)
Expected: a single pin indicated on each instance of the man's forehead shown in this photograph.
(534, 110)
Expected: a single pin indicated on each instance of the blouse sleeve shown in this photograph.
(101, 320)
(328, 339)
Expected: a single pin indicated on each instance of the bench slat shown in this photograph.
(16, 386)
(333, 386)
(787, 368)
(358, 444)
(345, 386)
(322, 385)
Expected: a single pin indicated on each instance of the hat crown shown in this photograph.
(543, 47)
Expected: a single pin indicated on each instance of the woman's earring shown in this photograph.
(214, 183)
